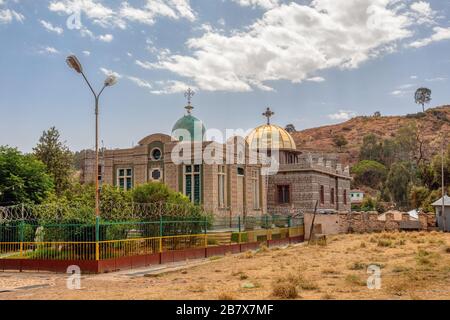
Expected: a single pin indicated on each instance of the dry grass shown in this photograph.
(226, 296)
(284, 290)
(413, 265)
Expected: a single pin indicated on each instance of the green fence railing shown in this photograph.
(36, 231)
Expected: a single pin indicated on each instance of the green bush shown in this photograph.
(369, 173)
(235, 237)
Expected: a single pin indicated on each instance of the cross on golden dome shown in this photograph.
(188, 95)
(268, 114)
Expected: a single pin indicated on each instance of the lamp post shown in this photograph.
(443, 183)
(73, 62)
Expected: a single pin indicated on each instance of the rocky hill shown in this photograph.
(431, 123)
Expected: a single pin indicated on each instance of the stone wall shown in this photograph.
(361, 222)
(305, 191)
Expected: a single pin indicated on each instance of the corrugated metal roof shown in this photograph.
(439, 202)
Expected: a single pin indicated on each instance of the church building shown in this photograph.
(238, 184)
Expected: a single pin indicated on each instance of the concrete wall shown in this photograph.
(325, 224)
(361, 222)
(440, 218)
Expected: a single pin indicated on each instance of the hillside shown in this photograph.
(432, 123)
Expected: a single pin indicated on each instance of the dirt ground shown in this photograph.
(413, 266)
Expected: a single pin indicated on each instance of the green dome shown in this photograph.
(191, 124)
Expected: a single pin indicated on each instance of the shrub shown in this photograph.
(226, 296)
(418, 115)
(243, 276)
(384, 243)
(284, 290)
(357, 266)
(354, 280)
(235, 237)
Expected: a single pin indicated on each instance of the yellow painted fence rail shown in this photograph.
(102, 250)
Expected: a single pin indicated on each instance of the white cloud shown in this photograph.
(8, 16)
(85, 32)
(414, 77)
(174, 9)
(437, 79)
(106, 16)
(423, 13)
(93, 10)
(342, 115)
(145, 64)
(438, 35)
(86, 53)
(404, 89)
(398, 93)
(106, 38)
(49, 27)
(406, 86)
(265, 4)
(109, 72)
(172, 86)
(49, 50)
(316, 79)
(140, 82)
(292, 42)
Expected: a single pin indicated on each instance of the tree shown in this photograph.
(422, 97)
(290, 128)
(151, 193)
(418, 196)
(371, 149)
(408, 145)
(437, 169)
(399, 181)
(57, 157)
(23, 178)
(369, 173)
(340, 141)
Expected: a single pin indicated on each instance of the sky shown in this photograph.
(313, 62)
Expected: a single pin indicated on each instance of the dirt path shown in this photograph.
(413, 266)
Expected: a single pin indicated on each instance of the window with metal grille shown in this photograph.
(125, 178)
(284, 194)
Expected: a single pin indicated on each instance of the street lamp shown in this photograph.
(444, 219)
(73, 62)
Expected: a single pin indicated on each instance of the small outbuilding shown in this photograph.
(443, 218)
(356, 196)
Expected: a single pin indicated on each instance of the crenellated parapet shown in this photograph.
(321, 164)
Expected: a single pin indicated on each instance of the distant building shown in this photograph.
(440, 218)
(356, 196)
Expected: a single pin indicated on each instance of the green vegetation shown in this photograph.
(340, 141)
(400, 170)
(369, 173)
(23, 178)
(46, 178)
(57, 158)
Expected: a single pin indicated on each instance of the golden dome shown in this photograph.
(270, 136)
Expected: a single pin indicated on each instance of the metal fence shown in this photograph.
(111, 239)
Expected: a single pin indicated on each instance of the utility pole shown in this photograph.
(443, 183)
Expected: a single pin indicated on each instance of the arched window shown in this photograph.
(322, 194)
